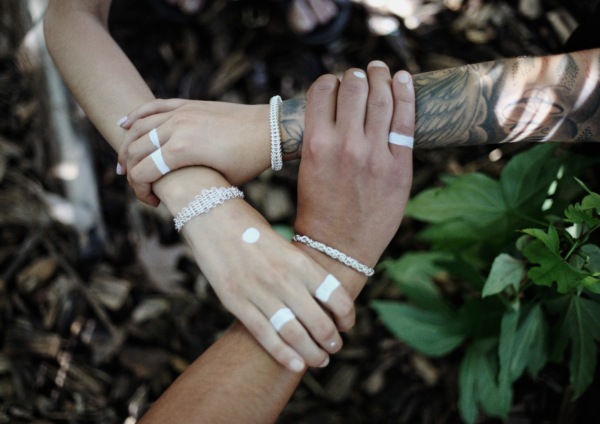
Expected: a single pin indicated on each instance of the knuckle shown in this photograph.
(135, 175)
(293, 334)
(324, 84)
(326, 331)
(354, 86)
(380, 100)
(353, 154)
(345, 308)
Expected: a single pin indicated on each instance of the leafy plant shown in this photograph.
(542, 287)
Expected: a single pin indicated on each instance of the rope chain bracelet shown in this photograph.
(276, 159)
(335, 254)
(204, 202)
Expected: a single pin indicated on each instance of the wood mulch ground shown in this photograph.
(95, 328)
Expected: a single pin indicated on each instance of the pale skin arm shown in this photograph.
(251, 280)
(552, 98)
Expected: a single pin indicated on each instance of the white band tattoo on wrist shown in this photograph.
(326, 288)
(159, 161)
(335, 254)
(251, 235)
(204, 202)
(276, 159)
(154, 138)
(401, 140)
(281, 317)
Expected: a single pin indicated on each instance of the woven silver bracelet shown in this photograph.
(335, 254)
(276, 159)
(204, 202)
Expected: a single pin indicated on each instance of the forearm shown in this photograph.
(553, 98)
(235, 380)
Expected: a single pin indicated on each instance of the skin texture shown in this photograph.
(554, 98)
(106, 85)
(235, 380)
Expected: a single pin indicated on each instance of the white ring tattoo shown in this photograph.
(251, 235)
(159, 161)
(326, 288)
(281, 317)
(401, 140)
(154, 138)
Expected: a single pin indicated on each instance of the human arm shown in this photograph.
(553, 98)
(248, 278)
(233, 381)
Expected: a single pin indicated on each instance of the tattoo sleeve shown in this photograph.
(552, 98)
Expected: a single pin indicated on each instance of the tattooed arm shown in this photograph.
(553, 98)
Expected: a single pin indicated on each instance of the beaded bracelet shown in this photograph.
(204, 202)
(335, 254)
(276, 159)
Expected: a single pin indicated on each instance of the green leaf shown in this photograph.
(477, 382)
(430, 332)
(576, 215)
(592, 284)
(553, 268)
(582, 325)
(523, 343)
(460, 268)
(525, 179)
(413, 273)
(591, 202)
(550, 239)
(506, 271)
(593, 252)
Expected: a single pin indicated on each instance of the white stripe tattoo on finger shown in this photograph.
(401, 140)
(159, 161)
(326, 288)
(154, 138)
(281, 317)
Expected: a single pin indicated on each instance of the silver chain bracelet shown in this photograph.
(204, 202)
(276, 159)
(335, 254)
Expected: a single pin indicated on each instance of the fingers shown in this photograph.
(403, 120)
(320, 104)
(141, 128)
(352, 100)
(337, 300)
(266, 335)
(292, 330)
(379, 103)
(150, 108)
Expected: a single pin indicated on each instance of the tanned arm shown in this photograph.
(552, 98)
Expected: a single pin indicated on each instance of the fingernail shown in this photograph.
(122, 121)
(296, 365)
(332, 344)
(325, 363)
(119, 169)
(359, 74)
(379, 64)
(403, 77)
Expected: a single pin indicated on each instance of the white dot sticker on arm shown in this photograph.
(251, 235)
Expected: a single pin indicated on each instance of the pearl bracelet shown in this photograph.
(335, 254)
(276, 159)
(204, 202)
